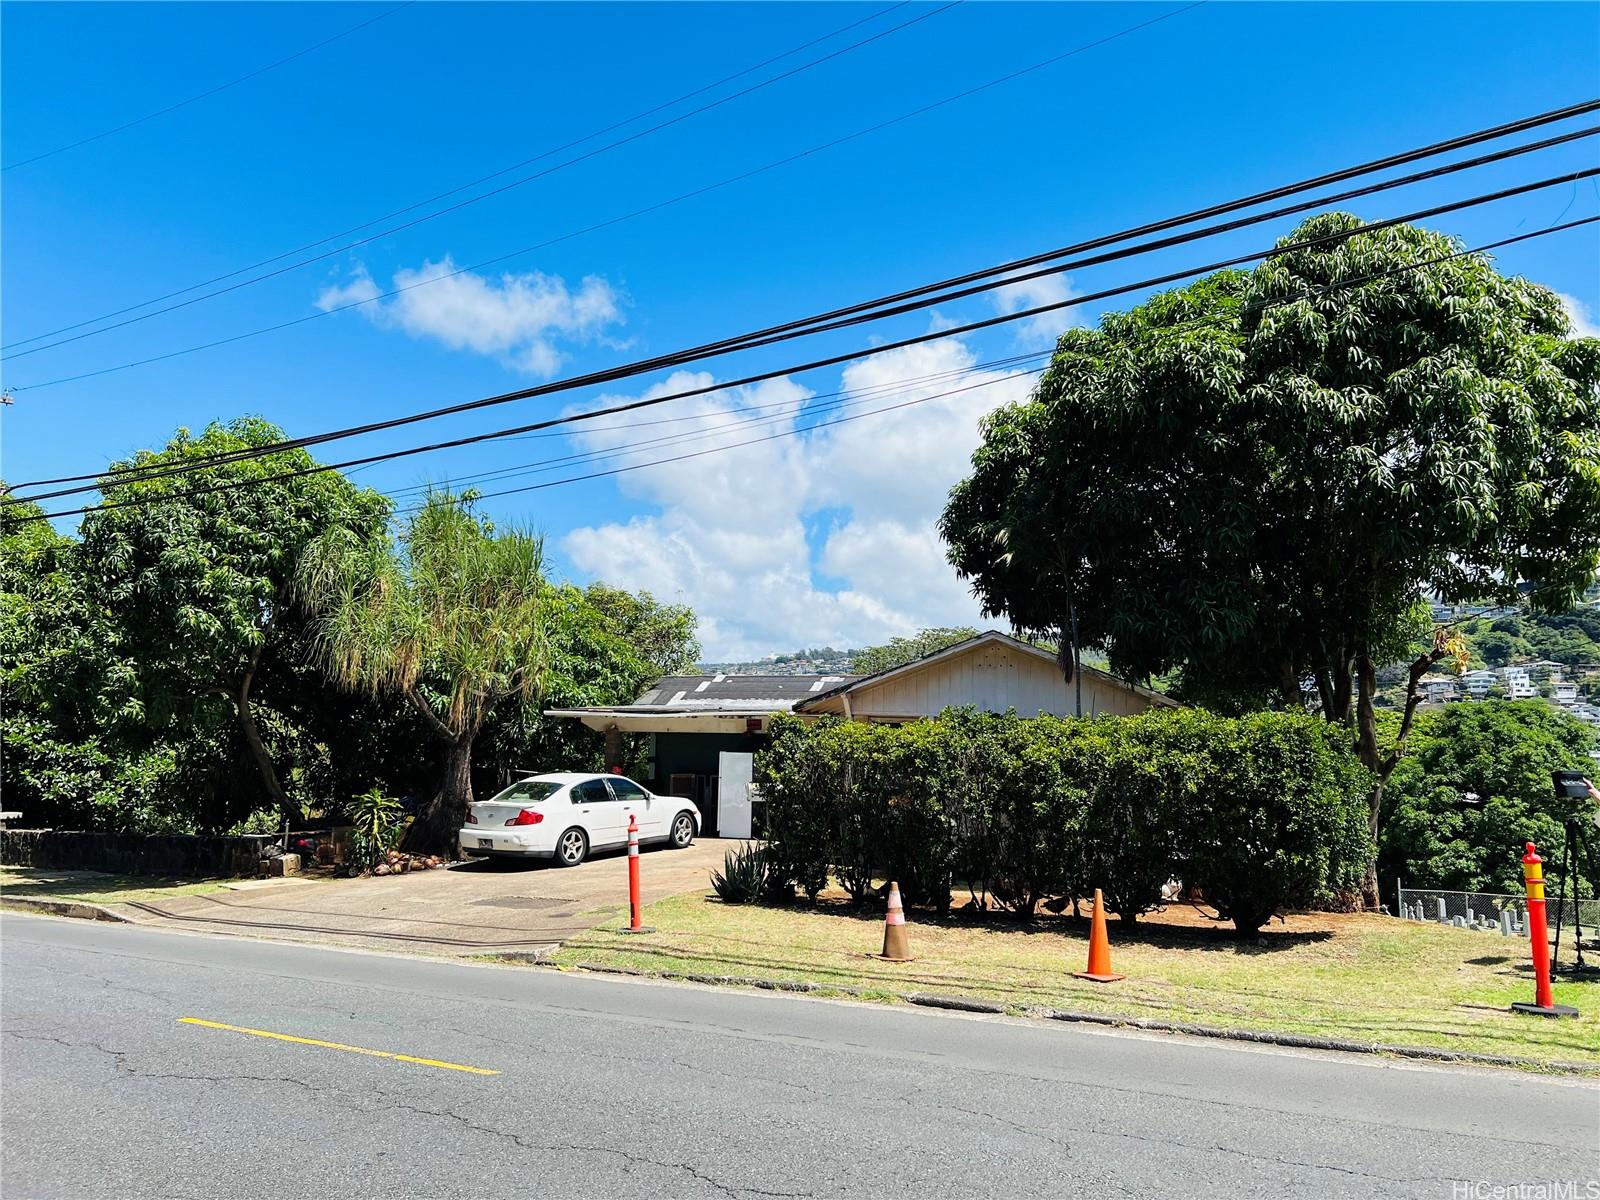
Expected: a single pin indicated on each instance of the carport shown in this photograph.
(702, 733)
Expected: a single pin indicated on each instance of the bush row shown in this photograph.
(1261, 812)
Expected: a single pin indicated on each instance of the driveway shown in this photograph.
(469, 908)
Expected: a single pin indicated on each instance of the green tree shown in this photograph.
(196, 571)
(1253, 480)
(662, 635)
(454, 619)
(605, 647)
(899, 651)
(1500, 649)
(70, 692)
(1502, 752)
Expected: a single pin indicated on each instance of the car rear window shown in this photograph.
(530, 789)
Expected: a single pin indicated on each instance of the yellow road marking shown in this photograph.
(289, 1037)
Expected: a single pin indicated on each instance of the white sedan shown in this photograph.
(565, 816)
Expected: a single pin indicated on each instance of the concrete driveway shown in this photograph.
(469, 908)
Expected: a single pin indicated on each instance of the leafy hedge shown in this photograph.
(1263, 812)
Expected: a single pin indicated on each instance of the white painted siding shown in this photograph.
(992, 677)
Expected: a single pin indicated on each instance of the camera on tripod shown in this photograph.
(1576, 854)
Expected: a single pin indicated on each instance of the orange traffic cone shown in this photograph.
(896, 946)
(1099, 968)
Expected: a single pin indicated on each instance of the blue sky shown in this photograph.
(821, 538)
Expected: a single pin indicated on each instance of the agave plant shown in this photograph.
(743, 876)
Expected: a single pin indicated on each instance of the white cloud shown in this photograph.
(727, 532)
(1583, 321)
(517, 319)
(1038, 332)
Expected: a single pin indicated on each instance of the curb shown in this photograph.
(63, 908)
(955, 1003)
(1302, 1041)
(1297, 1041)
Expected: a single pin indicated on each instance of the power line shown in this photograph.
(222, 87)
(568, 236)
(1024, 314)
(747, 417)
(858, 314)
(460, 204)
(400, 212)
(1161, 331)
(677, 458)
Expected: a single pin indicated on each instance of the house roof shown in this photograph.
(733, 693)
(716, 696)
(988, 636)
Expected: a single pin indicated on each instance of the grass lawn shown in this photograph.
(93, 887)
(1354, 977)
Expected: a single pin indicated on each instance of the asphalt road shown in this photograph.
(629, 1089)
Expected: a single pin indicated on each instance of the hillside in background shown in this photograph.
(824, 660)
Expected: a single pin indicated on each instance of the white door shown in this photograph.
(599, 814)
(734, 772)
(652, 812)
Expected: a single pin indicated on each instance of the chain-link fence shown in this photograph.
(1491, 912)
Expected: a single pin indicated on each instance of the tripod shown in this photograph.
(1577, 853)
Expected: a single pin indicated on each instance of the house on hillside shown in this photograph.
(1519, 686)
(1439, 689)
(703, 731)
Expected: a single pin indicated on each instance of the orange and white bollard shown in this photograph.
(896, 945)
(635, 903)
(1544, 1004)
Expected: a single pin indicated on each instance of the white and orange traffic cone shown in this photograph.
(1099, 968)
(896, 945)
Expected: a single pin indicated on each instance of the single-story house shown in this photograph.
(704, 730)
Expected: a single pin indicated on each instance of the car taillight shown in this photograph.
(526, 817)
(471, 820)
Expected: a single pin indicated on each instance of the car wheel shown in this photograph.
(682, 831)
(572, 847)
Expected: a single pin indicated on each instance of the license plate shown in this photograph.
(486, 842)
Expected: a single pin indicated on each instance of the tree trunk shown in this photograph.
(1382, 765)
(1367, 752)
(434, 832)
(240, 695)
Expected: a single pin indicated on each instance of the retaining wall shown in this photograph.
(130, 853)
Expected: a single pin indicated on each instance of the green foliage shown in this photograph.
(1264, 812)
(1252, 480)
(605, 646)
(195, 571)
(453, 619)
(1503, 751)
(798, 782)
(1571, 637)
(851, 799)
(743, 878)
(153, 673)
(378, 827)
(265, 820)
(900, 650)
(158, 673)
(660, 635)
(1274, 814)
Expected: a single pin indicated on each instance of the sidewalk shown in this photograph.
(467, 909)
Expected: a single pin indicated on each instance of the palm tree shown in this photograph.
(453, 618)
